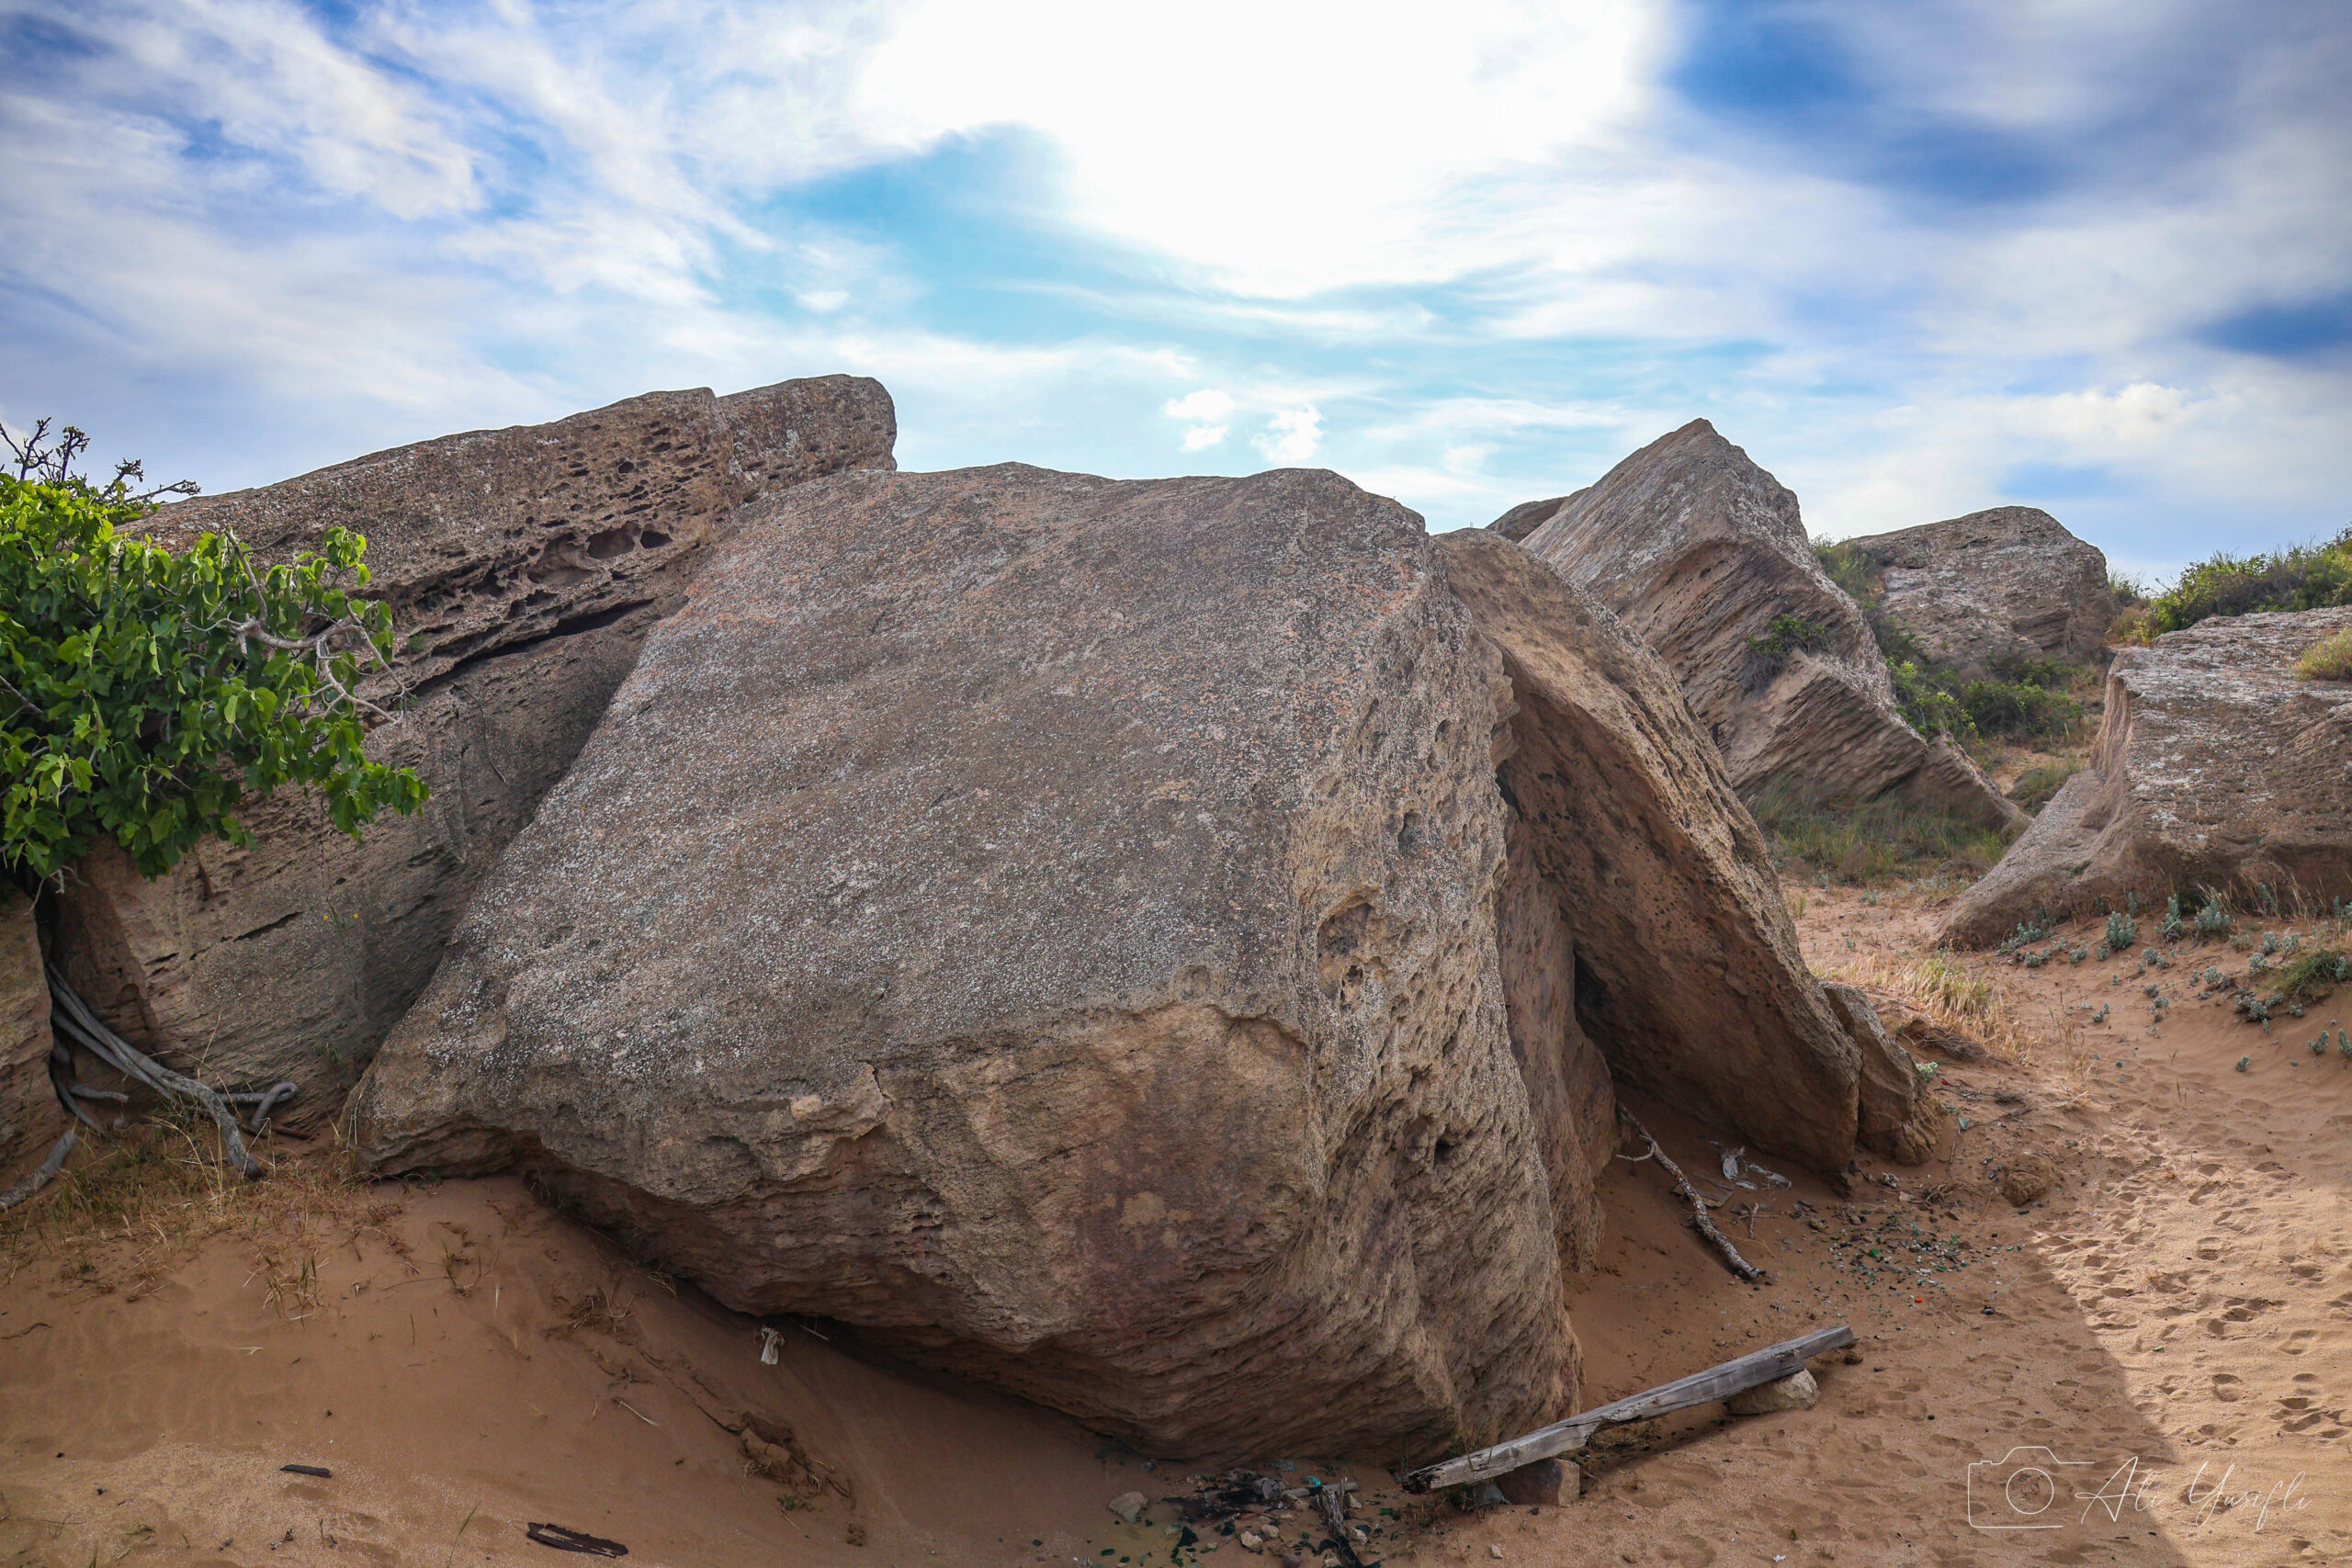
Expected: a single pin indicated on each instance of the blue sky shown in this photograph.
(1917, 258)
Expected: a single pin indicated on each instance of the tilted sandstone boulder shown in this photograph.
(2215, 768)
(1073, 932)
(1674, 950)
(2005, 583)
(1701, 552)
(1897, 1118)
(523, 567)
(30, 1118)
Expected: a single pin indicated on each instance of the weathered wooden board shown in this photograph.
(1768, 1365)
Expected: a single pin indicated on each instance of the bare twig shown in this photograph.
(1738, 1265)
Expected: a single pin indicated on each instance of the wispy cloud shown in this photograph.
(1917, 259)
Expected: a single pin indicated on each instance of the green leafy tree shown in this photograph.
(145, 695)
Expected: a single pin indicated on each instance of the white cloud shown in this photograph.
(1207, 411)
(1292, 437)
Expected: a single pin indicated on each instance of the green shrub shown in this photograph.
(2036, 785)
(1852, 570)
(1930, 699)
(2330, 659)
(2303, 577)
(2127, 588)
(2016, 711)
(144, 695)
(1787, 634)
(1884, 840)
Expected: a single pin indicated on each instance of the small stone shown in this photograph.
(1496, 1553)
(2026, 1178)
(1541, 1483)
(1796, 1392)
(1128, 1506)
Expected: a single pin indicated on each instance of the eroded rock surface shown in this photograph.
(30, 1118)
(1073, 932)
(1897, 1118)
(1704, 555)
(2216, 767)
(1672, 941)
(2007, 583)
(523, 567)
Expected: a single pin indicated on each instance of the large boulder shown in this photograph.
(2216, 768)
(523, 567)
(1073, 932)
(1992, 586)
(30, 1117)
(1704, 555)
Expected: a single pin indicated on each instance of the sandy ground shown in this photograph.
(2173, 1324)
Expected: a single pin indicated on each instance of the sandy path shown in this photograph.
(2174, 1321)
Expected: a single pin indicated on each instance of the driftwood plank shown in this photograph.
(1768, 1365)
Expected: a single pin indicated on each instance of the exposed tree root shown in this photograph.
(74, 1024)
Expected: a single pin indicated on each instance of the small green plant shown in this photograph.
(2026, 933)
(2244, 1062)
(2330, 659)
(2122, 931)
(1790, 634)
(2319, 1047)
(2169, 928)
(2254, 1009)
(2344, 1045)
(2213, 920)
(2269, 943)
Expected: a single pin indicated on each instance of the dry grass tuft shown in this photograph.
(2327, 660)
(1946, 994)
(128, 1207)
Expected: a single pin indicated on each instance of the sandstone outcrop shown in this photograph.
(523, 567)
(2215, 768)
(1528, 516)
(2007, 583)
(30, 1118)
(1673, 948)
(1131, 944)
(1895, 1119)
(1704, 556)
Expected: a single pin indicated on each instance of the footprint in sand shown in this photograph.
(2228, 1387)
